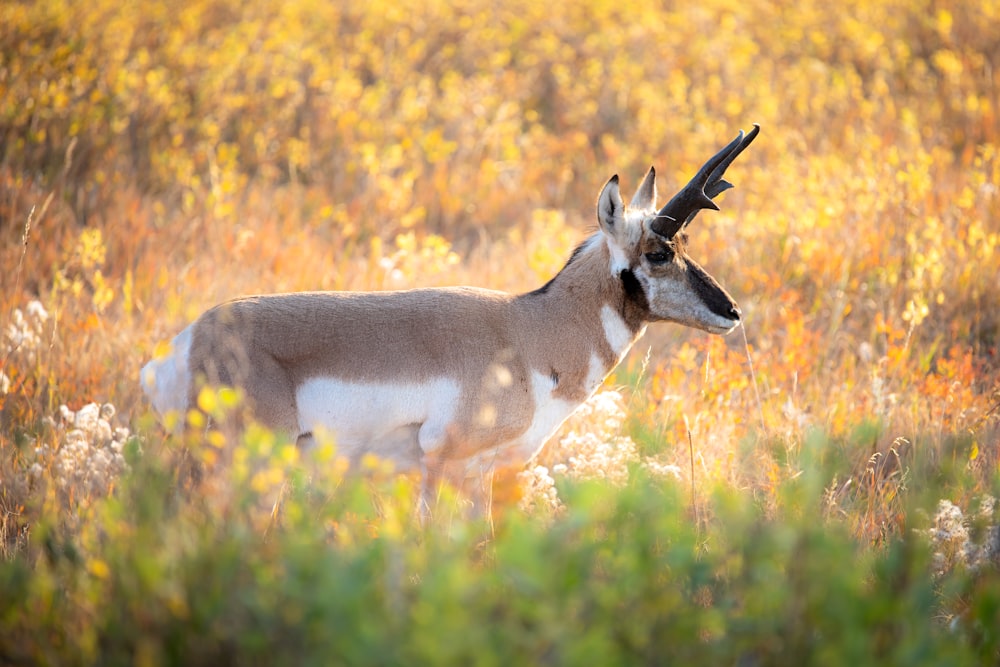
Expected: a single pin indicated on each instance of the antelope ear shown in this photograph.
(611, 209)
(645, 197)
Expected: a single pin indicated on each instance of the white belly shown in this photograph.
(395, 421)
(403, 421)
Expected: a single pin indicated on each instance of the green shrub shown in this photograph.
(348, 576)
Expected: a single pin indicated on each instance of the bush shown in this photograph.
(348, 576)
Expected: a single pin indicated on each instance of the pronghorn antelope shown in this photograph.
(453, 381)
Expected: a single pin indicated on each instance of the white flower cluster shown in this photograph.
(89, 456)
(24, 331)
(23, 334)
(538, 491)
(660, 469)
(592, 447)
(954, 544)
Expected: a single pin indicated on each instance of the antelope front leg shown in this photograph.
(474, 491)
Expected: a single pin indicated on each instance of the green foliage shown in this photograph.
(622, 577)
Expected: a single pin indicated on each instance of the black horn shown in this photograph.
(700, 190)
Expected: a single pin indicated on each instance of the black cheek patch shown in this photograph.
(633, 290)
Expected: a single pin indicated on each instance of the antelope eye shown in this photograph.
(657, 257)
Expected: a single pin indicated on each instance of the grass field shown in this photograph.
(815, 488)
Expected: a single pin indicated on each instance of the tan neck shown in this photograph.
(581, 313)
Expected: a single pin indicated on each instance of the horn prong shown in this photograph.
(698, 194)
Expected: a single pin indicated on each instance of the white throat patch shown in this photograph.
(616, 332)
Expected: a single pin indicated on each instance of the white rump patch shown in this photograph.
(167, 380)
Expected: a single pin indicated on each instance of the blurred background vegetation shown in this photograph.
(158, 157)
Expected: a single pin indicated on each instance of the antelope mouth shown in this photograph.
(724, 324)
(723, 330)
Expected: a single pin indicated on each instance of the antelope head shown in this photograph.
(649, 246)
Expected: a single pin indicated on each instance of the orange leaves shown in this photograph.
(955, 391)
